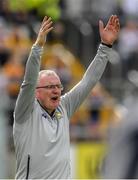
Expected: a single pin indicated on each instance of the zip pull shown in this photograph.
(28, 166)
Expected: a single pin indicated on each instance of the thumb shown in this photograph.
(101, 26)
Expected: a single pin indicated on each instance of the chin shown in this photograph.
(54, 106)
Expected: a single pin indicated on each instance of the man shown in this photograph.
(41, 117)
(121, 161)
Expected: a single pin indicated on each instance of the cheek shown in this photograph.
(42, 95)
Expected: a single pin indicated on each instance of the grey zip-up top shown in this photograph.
(42, 142)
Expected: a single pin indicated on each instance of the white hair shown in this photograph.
(46, 73)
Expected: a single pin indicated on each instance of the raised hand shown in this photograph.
(110, 32)
(45, 28)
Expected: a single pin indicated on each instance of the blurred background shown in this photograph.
(70, 48)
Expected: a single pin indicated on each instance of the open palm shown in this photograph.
(110, 32)
(45, 28)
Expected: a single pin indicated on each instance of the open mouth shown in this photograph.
(54, 98)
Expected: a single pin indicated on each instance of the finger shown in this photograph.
(101, 26)
(45, 18)
(118, 27)
(47, 26)
(114, 19)
(47, 22)
(110, 21)
(117, 24)
(48, 30)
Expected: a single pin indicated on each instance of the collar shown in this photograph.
(56, 113)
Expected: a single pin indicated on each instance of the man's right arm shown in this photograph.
(26, 95)
(24, 104)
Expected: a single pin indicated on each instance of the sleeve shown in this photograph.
(73, 99)
(26, 97)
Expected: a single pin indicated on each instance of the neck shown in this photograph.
(49, 111)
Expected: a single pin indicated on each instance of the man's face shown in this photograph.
(48, 92)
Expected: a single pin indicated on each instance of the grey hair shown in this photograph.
(47, 73)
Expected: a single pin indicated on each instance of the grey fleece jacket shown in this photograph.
(42, 142)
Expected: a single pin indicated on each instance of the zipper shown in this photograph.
(28, 166)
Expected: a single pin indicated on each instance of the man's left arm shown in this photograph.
(109, 34)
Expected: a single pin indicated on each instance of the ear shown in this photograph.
(37, 94)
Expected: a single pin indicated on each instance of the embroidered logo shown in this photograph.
(58, 115)
(44, 115)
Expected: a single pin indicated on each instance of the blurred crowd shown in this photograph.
(70, 48)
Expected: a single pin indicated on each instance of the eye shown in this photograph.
(50, 86)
